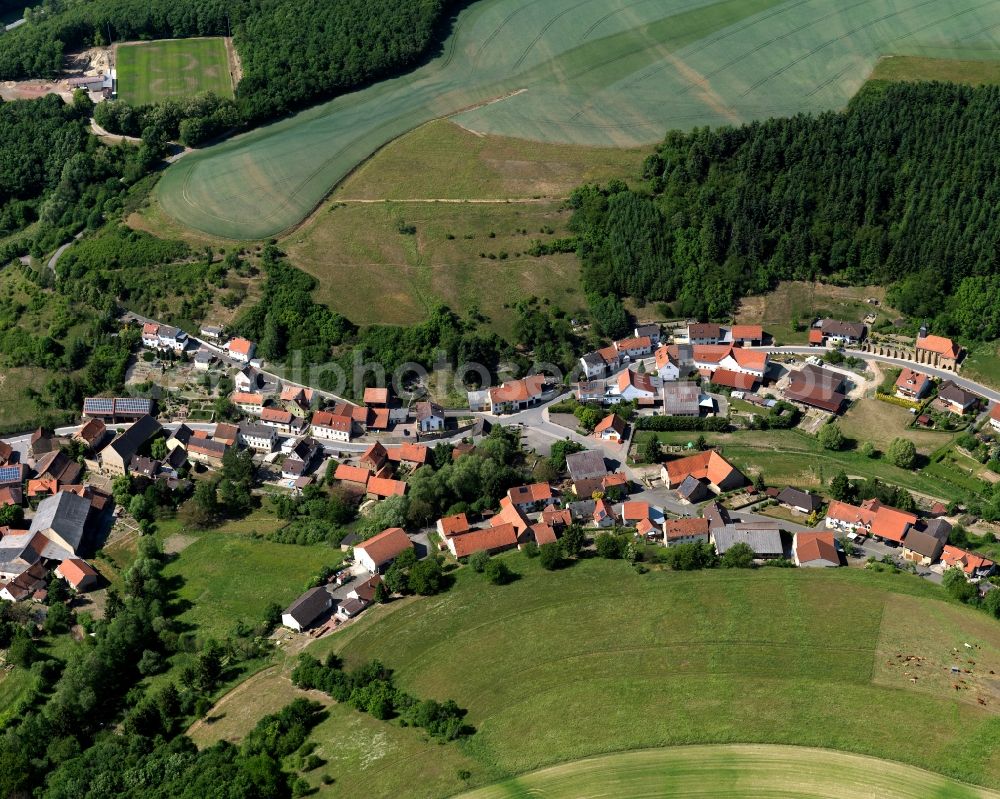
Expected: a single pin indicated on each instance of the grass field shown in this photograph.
(919, 68)
(597, 72)
(791, 457)
(880, 422)
(595, 659)
(149, 72)
(731, 772)
(982, 364)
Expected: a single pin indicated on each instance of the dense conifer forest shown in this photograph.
(900, 189)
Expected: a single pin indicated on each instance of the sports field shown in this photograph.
(596, 72)
(149, 72)
(596, 659)
(731, 772)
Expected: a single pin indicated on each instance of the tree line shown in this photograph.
(895, 190)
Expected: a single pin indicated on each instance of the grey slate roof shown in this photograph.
(681, 399)
(66, 514)
(589, 463)
(764, 543)
(693, 490)
(800, 499)
(308, 607)
(129, 442)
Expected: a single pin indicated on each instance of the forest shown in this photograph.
(899, 189)
(292, 53)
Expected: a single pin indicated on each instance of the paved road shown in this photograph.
(969, 385)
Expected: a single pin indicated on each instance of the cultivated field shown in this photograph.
(596, 72)
(952, 70)
(149, 72)
(596, 659)
(731, 772)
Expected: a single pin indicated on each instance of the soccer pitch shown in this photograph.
(149, 72)
(592, 72)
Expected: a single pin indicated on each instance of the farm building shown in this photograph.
(379, 551)
(307, 608)
(815, 550)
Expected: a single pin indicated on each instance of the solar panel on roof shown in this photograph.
(132, 405)
(99, 405)
(10, 474)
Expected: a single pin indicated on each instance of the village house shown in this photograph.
(598, 363)
(380, 550)
(91, 433)
(748, 335)
(296, 400)
(248, 379)
(248, 402)
(453, 525)
(203, 360)
(413, 455)
(430, 417)
(385, 487)
(633, 348)
(610, 428)
(682, 399)
(163, 337)
(602, 515)
(912, 385)
(374, 458)
(212, 332)
(706, 467)
(634, 387)
(228, 434)
(763, 538)
(975, 567)
(206, 451)
(117, 409)
(669, 363)
(240, 349)
(685, 531)
(880, 521)
(258, 437)
(330, 427)
(592, 391)
(815, 550)
(79, 574)
(30, 583)
(924, 543)
(62, 519)
(354, 475)
(956, 399)
(301, 614)
(22, 549)
(539, 533)
(817, 387)
(376, 397)
(995, 416)
(585, 465)
(804, 502)
(285, 422)
(737, 381)
(557, 518)
(116, 457)
(516, 395)
(834, 331)
(938, 351)
(489, 540)
(532, 497)
(701, 333)
(57, 465)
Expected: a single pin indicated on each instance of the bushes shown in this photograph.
(666, 424)
(370, 689)
(892, 399)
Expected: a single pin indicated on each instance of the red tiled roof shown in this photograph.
(518, 390)
(708, 465)
(536, 492)
(995, 411)
(636, 343)
(409, 453)
(683, 528)
(557, 516)
(227, 433)
(331, 421)
(642, 382)
(240, 345)
(749, 332)
(939, 344)
(510, 514)
(750, 359)
(385, 487)
(488, 539)
(667, 354)
(816, 546)
(543, 533)
(376, 396)
(386, 545)
(891, 523)
(612, 421)
(815, 336)
(276, 415)
(737, 380)
(380, 419)
(968, 562)
(247, 398)
(92, 431)
(910, 380)
(352, 474)
(849, 514)
(633, 511)
(75, 571)
(375, 455)
(453, 525)
(710, 353)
